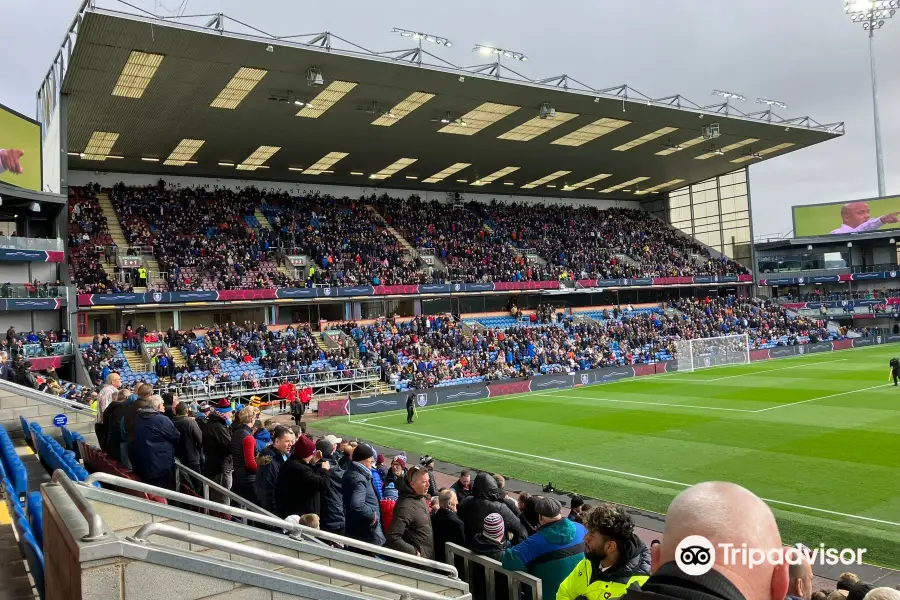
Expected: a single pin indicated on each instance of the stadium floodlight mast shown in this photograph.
(494, 67)
(415, 54)
(873, 14)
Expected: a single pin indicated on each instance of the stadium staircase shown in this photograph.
(115, 229)
(263, 220)
(135, 361)
(13, 569)
(407, 247)
(177, 356)
(625, 259)
(321, 343)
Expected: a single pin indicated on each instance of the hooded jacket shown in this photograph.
(190, 446)
(216, 445)
(361, 508)
(263, 438)
(299, 488)
(332, 516)
(410, 529)
(591, 582)
(489, 547)
(486, 499)
(670, 583)
(112, 417)
(549, 554)
(270, 462)
(154, 442)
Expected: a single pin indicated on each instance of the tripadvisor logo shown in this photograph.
(696, 555)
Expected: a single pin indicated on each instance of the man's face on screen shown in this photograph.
(857, 214)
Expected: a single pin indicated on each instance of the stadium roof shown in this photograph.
(152, 96)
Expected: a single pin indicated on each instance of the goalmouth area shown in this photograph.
(817, 436)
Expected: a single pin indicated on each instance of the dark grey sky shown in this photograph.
(803, 52)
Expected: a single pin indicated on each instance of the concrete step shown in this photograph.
(263, 220)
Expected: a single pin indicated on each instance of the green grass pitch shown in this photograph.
(817, 436)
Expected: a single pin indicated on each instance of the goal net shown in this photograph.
(712, 352)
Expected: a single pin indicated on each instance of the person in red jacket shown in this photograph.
(306, 395)
(287, 393)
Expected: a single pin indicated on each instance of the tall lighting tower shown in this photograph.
(873, 14)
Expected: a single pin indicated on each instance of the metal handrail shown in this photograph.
(274, 522)
(210, 484)
(515, 579)
(46, 398)
(95, 523)
(214, 543)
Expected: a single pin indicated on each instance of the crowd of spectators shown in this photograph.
(206, 238)
(89, 242)
(429, 351)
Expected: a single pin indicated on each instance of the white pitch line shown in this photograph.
(626, 473)
(874, 387)
(821, 362)
(647, 403)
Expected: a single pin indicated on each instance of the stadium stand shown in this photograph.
(198, 248)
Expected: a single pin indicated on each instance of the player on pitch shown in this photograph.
(895, 369)
(410, 408)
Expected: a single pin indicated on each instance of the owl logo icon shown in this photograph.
(893, 273)
(421, 399)
(584, 379)
(800, 280)
(457, 287)
(327, 291)
(157, 297)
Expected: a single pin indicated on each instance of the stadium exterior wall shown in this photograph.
(483, 391)
(107, 179)
(50, 150)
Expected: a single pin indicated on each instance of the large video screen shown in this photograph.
(20, 150)
(841, 218)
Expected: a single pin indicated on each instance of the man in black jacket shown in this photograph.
(332, 517)
(189, 448)
(216, 434)
(269, 463)
(301, 481)
(361, 508)
(723, 513)
(486, 499)
(463, 486)
(410, 408)
(155, 438)
(447, 525)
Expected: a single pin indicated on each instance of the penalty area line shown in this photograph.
(624, 473)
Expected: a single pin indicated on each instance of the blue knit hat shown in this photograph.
(390, 492)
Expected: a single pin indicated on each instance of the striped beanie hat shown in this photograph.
(493, 527)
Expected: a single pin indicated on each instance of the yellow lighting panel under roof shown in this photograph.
(624, 185)
(99, 145)
(258, 158)
(478, 118)
(545, 179)
(139, 69)
(237, 89)
(183, 152)
(681, 146)
(495, 175)
(534, 127)
(645, 138)
(727, 148)
(598, 128)
(325, 99)
(403, 108)
(588, 181)
(451, 170)
(393, 168)
(325, 163)
(762, 153)
(656, 188)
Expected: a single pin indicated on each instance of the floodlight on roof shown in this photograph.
(728, 95)
(420, 36)
(771, 103)
(511, 54)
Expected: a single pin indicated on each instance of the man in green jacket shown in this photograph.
(615, 558)
(552, 552)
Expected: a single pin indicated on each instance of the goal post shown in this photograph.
(703, 353)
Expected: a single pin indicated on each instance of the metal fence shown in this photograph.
(28, 290)
(57, 349)
(488, 580)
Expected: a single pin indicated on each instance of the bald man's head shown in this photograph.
(729, 516)
(855, 214)
(800, 574)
